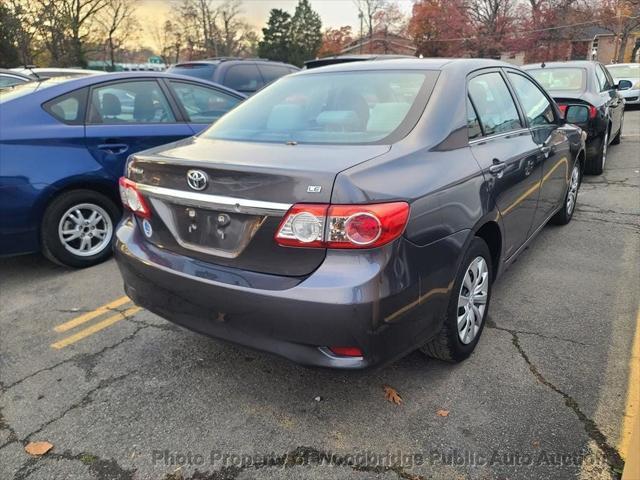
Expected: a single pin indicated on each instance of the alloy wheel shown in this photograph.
(605, 145)
(572, 194)
(85, 229)
(472, 300)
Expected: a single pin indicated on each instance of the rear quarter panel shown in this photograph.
(39, 156)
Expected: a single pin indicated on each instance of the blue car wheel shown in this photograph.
(77, 229)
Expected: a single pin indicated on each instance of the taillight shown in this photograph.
(593, 112)
(132, 199)
(342, 226)
(563, 110)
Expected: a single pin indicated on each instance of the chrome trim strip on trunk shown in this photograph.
(215, 202)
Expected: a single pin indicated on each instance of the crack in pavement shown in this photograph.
(101, 468)
(83, 402)
(491, 324)
(80, 356)
(611, 454)
(301, 456)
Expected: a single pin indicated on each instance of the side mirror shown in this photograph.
(577, 114)
(624, 85)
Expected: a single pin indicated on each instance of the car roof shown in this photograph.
(567, 64)
(458, 64)
(218, 60)
(60, 85)
(623, 64)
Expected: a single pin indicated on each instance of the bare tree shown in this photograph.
(492, 19)
(118, 23)
(167, 39)
(369, 9)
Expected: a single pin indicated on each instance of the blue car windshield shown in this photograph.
(336, 108)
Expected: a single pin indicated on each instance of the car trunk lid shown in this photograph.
(238, 195)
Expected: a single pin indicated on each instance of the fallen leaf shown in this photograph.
(392, 395)
(535, 444)
(37, 448)
(442, 413)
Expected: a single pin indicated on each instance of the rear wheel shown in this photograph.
(565, 214)
(77, 229)
(595, 164)
(467, 308)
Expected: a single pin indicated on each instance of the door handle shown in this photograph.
(497, 167)
(114, 148)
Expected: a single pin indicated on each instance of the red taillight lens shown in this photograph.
(132, 199)
(593, 112)
(563, 110)
(343, 226)
(346, 351)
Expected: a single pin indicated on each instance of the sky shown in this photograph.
(334, 13)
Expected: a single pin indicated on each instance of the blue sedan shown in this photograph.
(63, 146)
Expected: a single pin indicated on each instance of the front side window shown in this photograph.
(537, 107)
(494, 104)
(201, 104)
(561, 79)
(335, 108)
(130, 102)
(68, 108)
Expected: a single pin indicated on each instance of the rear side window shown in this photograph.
(494, 104)
(537, 107)
(204, 71)
(273, 72)
(243, 77)
(68, 108)
(130, 102)
(201, 104)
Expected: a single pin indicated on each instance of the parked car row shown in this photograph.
(344, 216)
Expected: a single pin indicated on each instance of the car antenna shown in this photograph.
(30, 68)
(543, 65)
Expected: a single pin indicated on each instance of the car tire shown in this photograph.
(564, 215)
(78, 228)
(618, 138)
(448, 344)
(595, 163)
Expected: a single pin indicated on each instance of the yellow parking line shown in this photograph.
(95, 328)
(632, 407)
(91, 315)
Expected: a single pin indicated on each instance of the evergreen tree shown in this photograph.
(8, 50)
(276, 37)
(306, 34)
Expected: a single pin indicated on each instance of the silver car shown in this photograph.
(630, 72)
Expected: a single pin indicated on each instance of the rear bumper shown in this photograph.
(369, 299)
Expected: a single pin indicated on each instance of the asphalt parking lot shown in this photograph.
(123, 394)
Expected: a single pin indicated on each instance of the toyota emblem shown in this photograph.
(197, 179)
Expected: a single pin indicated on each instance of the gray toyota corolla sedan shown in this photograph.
(347, 215)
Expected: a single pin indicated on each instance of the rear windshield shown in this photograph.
(625, 71)
(335, 108)
(566, 79)
(198, 70)
(26, 88)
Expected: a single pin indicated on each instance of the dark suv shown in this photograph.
(244, 75)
